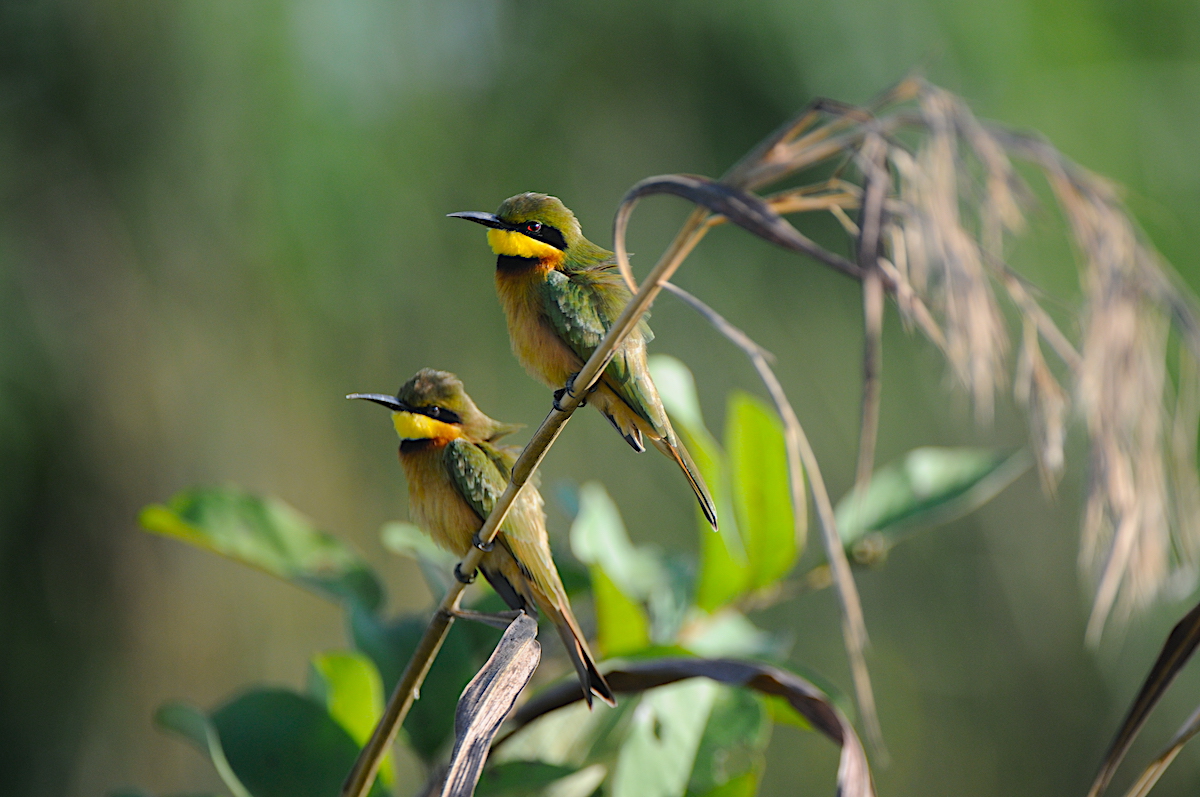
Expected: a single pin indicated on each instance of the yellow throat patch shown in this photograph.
(414, 426)
(514, 244)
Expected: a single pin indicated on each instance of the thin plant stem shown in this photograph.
(876, 183)
(801, 460)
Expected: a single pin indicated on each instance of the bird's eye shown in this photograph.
(435, 412)
(533, 226)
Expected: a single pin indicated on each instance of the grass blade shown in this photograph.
(1180, 645)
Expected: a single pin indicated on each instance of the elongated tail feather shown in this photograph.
(590, 679)
(678, 452)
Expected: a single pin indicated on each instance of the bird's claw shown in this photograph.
(569, 390)
(478, 543)
(463, 579)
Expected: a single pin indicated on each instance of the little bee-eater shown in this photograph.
(456, 472)
(561, 293)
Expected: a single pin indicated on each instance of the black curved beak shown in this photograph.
(380, 398)
(479, 217)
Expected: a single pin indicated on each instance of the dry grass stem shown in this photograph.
(801, 459)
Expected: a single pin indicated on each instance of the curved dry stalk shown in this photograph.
(801, 459)
(876, 184)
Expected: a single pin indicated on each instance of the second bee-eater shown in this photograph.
(561, 293)
(456, 471)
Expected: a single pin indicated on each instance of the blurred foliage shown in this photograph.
(218, 219)
(694, 737)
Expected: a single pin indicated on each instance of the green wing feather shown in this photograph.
(480, 473)
(581, 306)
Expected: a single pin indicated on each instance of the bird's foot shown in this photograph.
(569, 390)
(462, 578)
(478, 543)
(501, 620)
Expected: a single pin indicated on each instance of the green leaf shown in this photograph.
(744, 785)
(624, 577)
(193, 725)
(281, 744)
(734, 741)
(729, 633)
(926, 487)
(723, 576)
(724, 571)
(677, 387)
(598, 538)
(436, 563)
(430, 722)
(621, 624)
(659, 750)
(268, 534)
(519, 778)
(348, 685)
(782, 712)
(761, 488)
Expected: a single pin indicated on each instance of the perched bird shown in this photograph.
(561, 293)
(455, 473)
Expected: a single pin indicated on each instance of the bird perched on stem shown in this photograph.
(561, 293)
(455, 473)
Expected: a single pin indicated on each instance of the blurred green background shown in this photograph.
(219, 218)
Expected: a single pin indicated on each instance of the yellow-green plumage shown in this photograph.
(560, 294)
(456, 472)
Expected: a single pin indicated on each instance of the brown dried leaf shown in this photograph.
(487, 700)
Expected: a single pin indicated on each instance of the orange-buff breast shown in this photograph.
(435, 503)
(535, 343)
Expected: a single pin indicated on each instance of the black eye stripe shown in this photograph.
(438, 414)
(546, 234)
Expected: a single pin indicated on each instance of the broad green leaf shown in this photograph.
(664, 733)
(268, 534)
(782, 712)
(729, 633)
(761, 489)
(926, 487)
(635, 578)
(599, 539)
(677, 387)
(282, 744)
(734, 741)
(584, 783)
(436, 564)
(723, 576)
(348, 685)
(193, 725)
(142, 793)
(621, 624)
(564, 737)
(744, 785)
(430, 722)
(724, 571)
(653, 676)
(520, 778)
